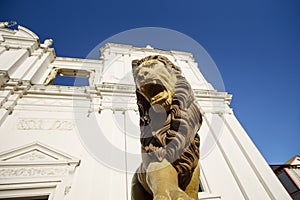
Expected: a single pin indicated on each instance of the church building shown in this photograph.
(69, 128)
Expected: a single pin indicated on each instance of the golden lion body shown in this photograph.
(169, 121)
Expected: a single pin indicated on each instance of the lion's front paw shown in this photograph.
(179, 195)
(173, 195)
(161, 197)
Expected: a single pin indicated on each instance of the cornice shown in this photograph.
(7, 31)
(19, 42)
(28, 32)
(19, 38)
(129, 49)
(76, 60)
(110, 89)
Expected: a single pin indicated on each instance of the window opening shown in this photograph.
(68, 77)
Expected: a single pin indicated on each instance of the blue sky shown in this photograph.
(255, 45)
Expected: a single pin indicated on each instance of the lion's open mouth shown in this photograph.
(155, 93)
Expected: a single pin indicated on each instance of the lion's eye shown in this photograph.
(146, 73)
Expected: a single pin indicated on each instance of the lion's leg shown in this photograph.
(193, 186)
(162, 179)
(137, 190)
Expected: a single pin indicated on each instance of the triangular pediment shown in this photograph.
(35, 153)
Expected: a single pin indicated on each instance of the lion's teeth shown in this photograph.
(158, 96)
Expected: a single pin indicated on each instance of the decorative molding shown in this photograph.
(33, 172)
(3, 77)
(19, 42)
(45, 124)
(28, 32)
(67, 190)
(118, 108)
(32, 156)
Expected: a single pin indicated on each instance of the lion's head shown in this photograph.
(155, 79)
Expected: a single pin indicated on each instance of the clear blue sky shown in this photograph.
(255, 44)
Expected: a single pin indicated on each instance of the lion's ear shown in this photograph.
(176, 68)
(134, 64)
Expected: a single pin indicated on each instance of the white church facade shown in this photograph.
(81, 140)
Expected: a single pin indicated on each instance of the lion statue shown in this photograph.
(169, 121)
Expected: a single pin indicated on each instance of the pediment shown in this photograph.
(36, 153)
(34, 164)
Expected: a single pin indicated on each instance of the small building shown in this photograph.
(289, 176)
(69, 128)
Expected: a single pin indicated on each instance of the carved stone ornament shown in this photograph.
(45, 124)
(35, 155)
(33, 172)
(169, 121)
